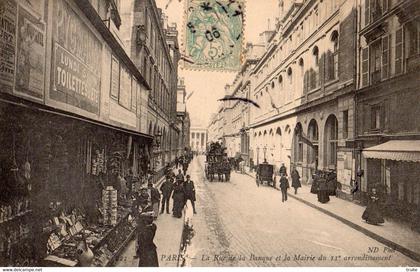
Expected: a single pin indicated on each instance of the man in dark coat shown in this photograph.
(283, 170)
(189, 190)
(185, 167)
(176, 162)
(146, 248)
(295, 180)
(284, 185)
(155, 198)
(166, 189)
(180, 176)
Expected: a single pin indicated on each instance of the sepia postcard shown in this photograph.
(209, 133)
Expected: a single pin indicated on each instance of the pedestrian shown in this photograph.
(155, 198)
(189, 190)
(323, 194)
(178, 196)
(180, 176)
(295, 180)
(315, 182)
(146, 248)
(227, 170)
(176, 162)
(283, 169)
(166, 188)
(373, 213)
(185, 167)
(284, 185)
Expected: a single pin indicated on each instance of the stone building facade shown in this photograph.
(153, 47)
(387, 119)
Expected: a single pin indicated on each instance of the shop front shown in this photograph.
(394, 168)
(66, 186)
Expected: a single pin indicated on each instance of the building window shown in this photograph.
(375, 117)
(385, 57)
(345, 124)
(331, 138)
(314, 73)
(298, 143)
(375, 61)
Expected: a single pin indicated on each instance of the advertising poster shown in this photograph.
(8, 9)
(30, 62)
(125, 88)
(77, 60)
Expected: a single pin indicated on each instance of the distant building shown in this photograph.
(198, 139)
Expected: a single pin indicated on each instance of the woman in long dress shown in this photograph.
(179, 199)
(323, 195)
(295, 180)
(145, 246)
(373, 214)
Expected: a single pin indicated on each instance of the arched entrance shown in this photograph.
(330, 142)
(297, 145)
(313, 150)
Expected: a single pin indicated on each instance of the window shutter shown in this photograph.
(365, 66)
(367, 12)
(399, 47)
(385, 57)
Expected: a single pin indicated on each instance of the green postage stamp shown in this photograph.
(214, 34)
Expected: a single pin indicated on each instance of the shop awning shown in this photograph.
(396, 150)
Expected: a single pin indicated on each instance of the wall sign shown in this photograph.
(77, 60)
(30, 64)
(8, 10)
(125, 88)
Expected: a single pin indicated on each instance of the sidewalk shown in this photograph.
(167, 240)
(393, 234)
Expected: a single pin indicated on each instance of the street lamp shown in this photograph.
(258, 155)
(265, 151)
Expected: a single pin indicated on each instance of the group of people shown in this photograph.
(324, 184)
(284, 181)
(181, 188)
(183, 162)
(148, 201)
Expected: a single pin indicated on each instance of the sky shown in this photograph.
(207, 86)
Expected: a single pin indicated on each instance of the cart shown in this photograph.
(265, 173)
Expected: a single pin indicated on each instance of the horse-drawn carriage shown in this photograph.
(217, 163)
(265, 173)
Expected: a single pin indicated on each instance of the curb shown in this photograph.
(405, 251)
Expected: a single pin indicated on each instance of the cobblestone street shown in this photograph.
(239, 224)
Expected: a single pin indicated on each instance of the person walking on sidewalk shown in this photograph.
(146, 248)
(155, 198)
(166, 188)
(295, 180)
(189, 190)
(283, 170)
(284, 185)
(176, 162)
(185, 167)
(373, 213)
(180, 176)
(179, 199)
